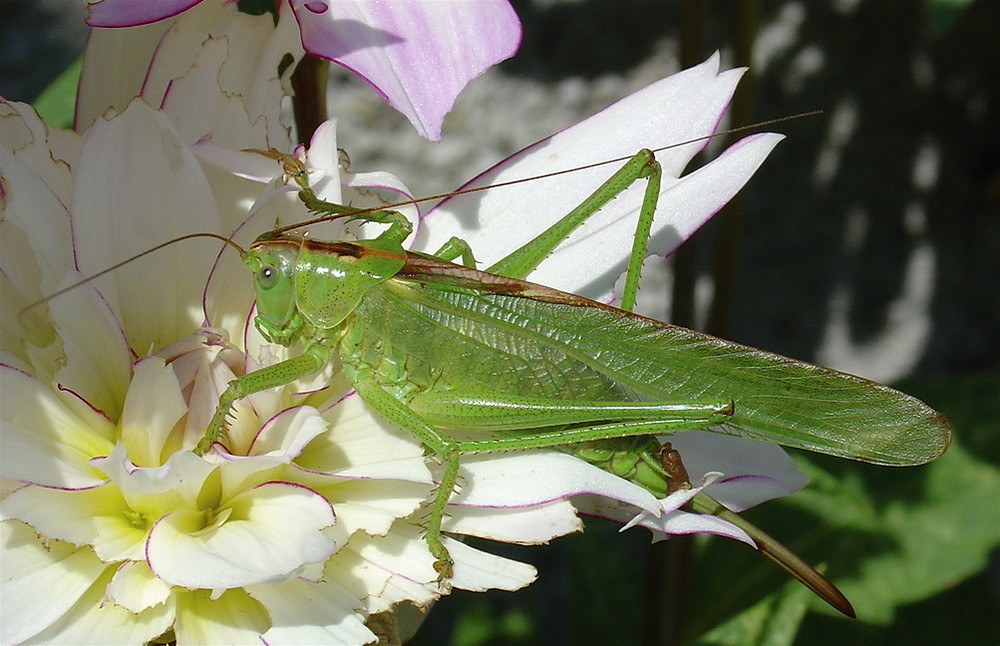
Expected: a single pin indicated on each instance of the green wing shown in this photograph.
(492, 333)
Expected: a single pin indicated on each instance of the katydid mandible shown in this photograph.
(431, 345)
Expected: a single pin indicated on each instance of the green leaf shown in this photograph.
(774, 621)
(55, 105)
(892, 537)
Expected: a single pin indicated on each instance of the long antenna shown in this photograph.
(86, 280)
(476, 189)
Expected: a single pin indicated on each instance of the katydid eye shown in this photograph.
(267, 276)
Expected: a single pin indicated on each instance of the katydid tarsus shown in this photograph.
(431, 345)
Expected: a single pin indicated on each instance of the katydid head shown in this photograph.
(273, 268)
(306, 286)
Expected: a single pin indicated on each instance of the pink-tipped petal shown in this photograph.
(417, 55)
(129, 13)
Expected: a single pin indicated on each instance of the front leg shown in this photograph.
(273, 376)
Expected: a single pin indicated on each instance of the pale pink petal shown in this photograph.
(416, 55)
(128, 13)
(754, 471)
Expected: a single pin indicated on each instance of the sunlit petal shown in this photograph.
(417, 56)
(31, 572)
(678, 109)
(312, 613)
(272, 531)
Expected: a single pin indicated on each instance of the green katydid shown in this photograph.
(431, 345)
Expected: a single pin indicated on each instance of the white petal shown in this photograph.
(181, 479)
(109, 80)
(357, 437)
(323, 157)
(372, 505)
(153, 406)
(92, 622)
(676, 109)
(530, 479)
(216, 76)
(680, 522)
(311, 613)
(49, 152)
(213, 69)
(274, 530)
(159, 192)
(37, 247)
(96, 362)
(288, 432)
(525, 525)
(40, 583)
(135, 588)
(45, 441)
(479, 571)
(383, 570)
(670, 520)
(204, 619)
(99, 517)
(32, 457)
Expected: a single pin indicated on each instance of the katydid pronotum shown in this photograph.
(431, 345)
